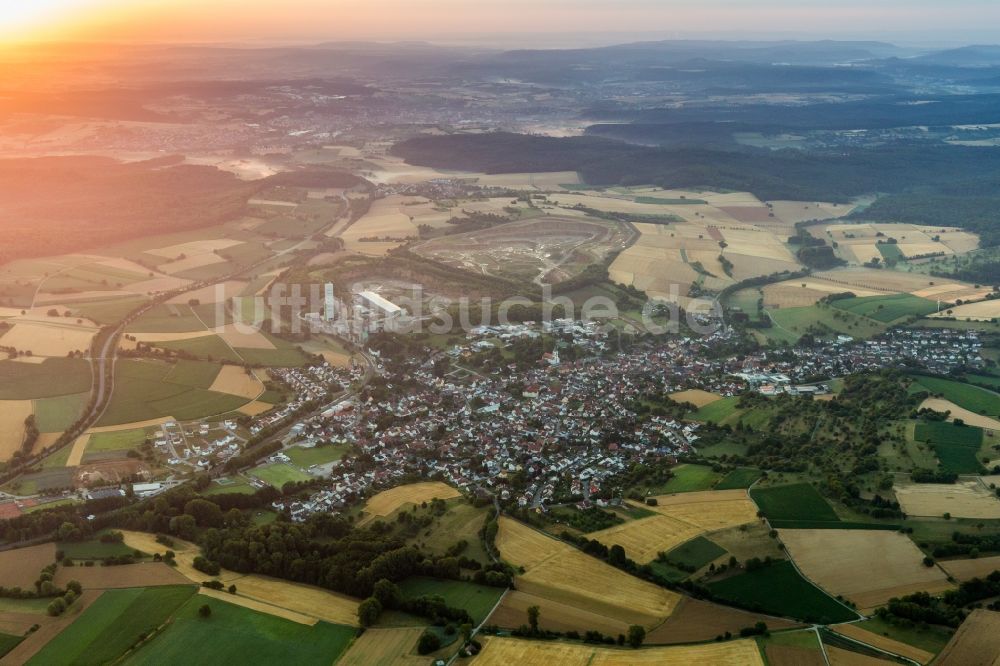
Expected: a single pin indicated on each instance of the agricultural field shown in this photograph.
(969, 417)
(778, 589)
(553, 615)
(976, 643)
(987, 310)
(887, 309)
(237, 634)
(546, 249)
(688, 478)
(478, 600)
(964, 499)
(499, 651)
(382, 646)
(53, 377)
(13, 414)
(864, 632)
(858, 243)
(973, 398)
(742, 477)
(956, 446)
(559, 572)
(696, 553)
(111, 625)
(388, 501)
(20, 567)
(696, 620)
(785, 505)
(718, 411)
(679, 518)
(966, 569)
(867, 567)
(146, 390)
(790, 324)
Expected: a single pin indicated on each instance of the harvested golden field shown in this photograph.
(966, 569)
(189, 263)
(193, 248)
(801, 211)
(134, 575)
(57, 337)
(976, 643)
(79, 448)
(695, 620)
(868, 567)
(259, 606)
(561, 573)
(12, 416)
(793, 655)
(169, 337)
(216, 293)
(696, 397)
(708, 509)
(132, 426)
(970, 417)
(554, 616)
(499, 651)
(235, 380)
(526, 547)
(964, 499)
(981, 311)
(255, 408)
(884, 643)
(20, 567)
(388, 219)
(384, 647)
(305, 600)
(840, 657)
(387, 501)
(243, 337)
(643, 539)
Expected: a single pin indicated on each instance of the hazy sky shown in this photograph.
(469, 20)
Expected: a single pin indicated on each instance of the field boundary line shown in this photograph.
(872, 647)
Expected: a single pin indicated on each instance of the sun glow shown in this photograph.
(19, 19)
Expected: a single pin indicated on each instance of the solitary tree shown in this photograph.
(533, 612)
(636, 635)
(205, 610)
(368, 611)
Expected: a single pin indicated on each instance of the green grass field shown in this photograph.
(689, 478)
(113, 624)
(199, 374)
(120, 440)
(93, 549)
(792, 323)
(236, 485)
(717, 412)
(8, 643)
(798, 501)
(146, 390)
(53, 377)
(317, 455)
(973, 398)
(233, 634)
(930, 638)
(778, 589)
(165, 318)
(696, 553)
(742, 477)
(58, 414)
(207, 347)
(478, 600)
(284, 354)
(24, 605)
(109, 311)
(956, 446)
(887, 309)
(279, 474)
(891, 251)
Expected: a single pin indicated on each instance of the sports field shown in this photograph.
(278, 474)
